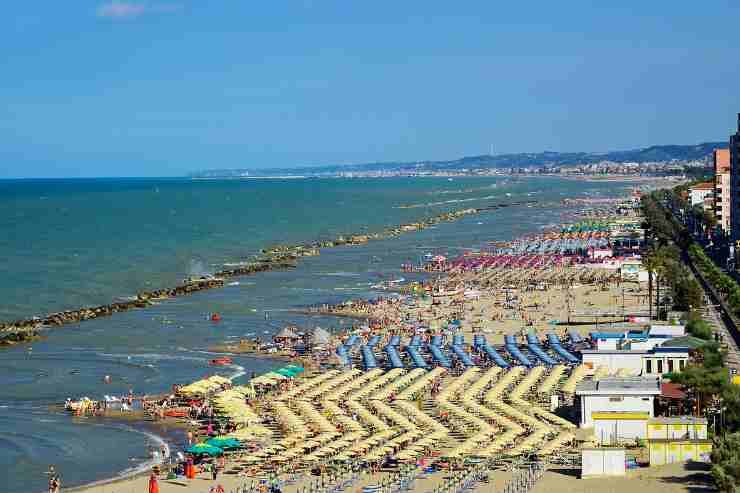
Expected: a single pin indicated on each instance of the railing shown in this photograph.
(333, 482)
(525, 479)
(463, 481)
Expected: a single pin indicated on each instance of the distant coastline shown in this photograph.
(660, 159)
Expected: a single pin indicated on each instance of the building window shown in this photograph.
(616, 399)
(681, 364)
(649, 366)
(660, 366)
(670, 366)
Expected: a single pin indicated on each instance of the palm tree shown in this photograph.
(652, 262)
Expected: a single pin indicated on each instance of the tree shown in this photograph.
(662, 265)
(731, 405)
(650, 261)
(699, 328)
(705, 380)
(726, 462)
(703, 383)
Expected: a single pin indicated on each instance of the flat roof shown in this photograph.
(614, 351)
(619, 386)
(668, 349)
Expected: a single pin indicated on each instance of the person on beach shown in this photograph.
(153, 485)
(214, 470)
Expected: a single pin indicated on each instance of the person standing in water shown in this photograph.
(55, 483)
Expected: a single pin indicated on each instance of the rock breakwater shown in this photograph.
(277, 257)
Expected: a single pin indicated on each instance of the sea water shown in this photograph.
(73, 243)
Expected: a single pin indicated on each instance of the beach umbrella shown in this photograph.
(296, 368)
(204, 449)
(224, 442)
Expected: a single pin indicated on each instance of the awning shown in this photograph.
(672, 391)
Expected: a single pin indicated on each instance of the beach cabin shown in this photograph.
(597, 462)
(679, 439)
(663, 452)
(678, 428)
(618, 409)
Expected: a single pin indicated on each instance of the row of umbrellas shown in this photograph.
(514, 419)
(276, 376)
(204, 386)
(311, 433)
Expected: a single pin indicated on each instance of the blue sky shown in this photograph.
(159, 88)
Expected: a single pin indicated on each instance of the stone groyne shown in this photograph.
(277, 257)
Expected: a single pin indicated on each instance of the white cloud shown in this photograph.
(130, 10)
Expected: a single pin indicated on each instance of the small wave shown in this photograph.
(342, 274)
(445, 202)
(235, 283)
(152, 356)
(203, 351)
(240, 372)
(143, 467)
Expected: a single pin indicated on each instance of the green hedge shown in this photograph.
(721, 281)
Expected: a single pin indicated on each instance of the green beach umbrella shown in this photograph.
(296, 368)
(224, 443)
(288, 372)
(204, 448)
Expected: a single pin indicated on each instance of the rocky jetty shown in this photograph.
(278, 257)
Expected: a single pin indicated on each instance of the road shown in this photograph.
(713, 314)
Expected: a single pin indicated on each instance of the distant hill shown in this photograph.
(518, 160)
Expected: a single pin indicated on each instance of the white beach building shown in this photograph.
(618, 409)
(653, 362)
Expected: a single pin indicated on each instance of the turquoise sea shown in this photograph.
(73, 243)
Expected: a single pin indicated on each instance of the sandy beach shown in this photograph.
(332, 428)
